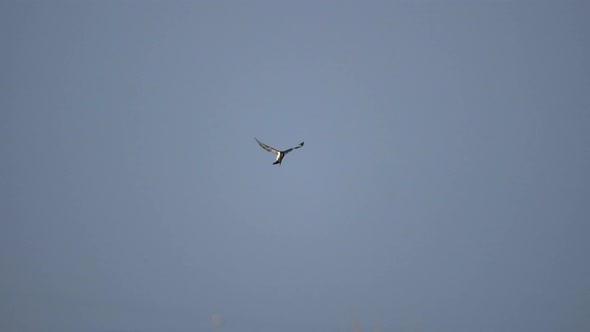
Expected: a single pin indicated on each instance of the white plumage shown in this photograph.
(280, 154)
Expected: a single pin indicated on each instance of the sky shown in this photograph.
(443, 185)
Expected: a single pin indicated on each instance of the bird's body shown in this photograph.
(280, 154)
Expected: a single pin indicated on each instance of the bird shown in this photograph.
(280, 154)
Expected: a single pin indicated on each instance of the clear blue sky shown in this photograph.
(443, 186)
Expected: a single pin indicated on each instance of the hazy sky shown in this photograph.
(443, 186)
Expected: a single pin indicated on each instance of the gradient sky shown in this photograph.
(443, 186)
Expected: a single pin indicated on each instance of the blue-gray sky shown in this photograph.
(443, 185)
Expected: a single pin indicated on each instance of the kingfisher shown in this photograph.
(280, 154)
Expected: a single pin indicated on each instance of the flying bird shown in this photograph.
(280, 154)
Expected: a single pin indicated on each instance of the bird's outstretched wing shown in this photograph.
(293, 148)
(266, 147)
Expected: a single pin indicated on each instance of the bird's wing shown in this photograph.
(266, 147)
(293, 148)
